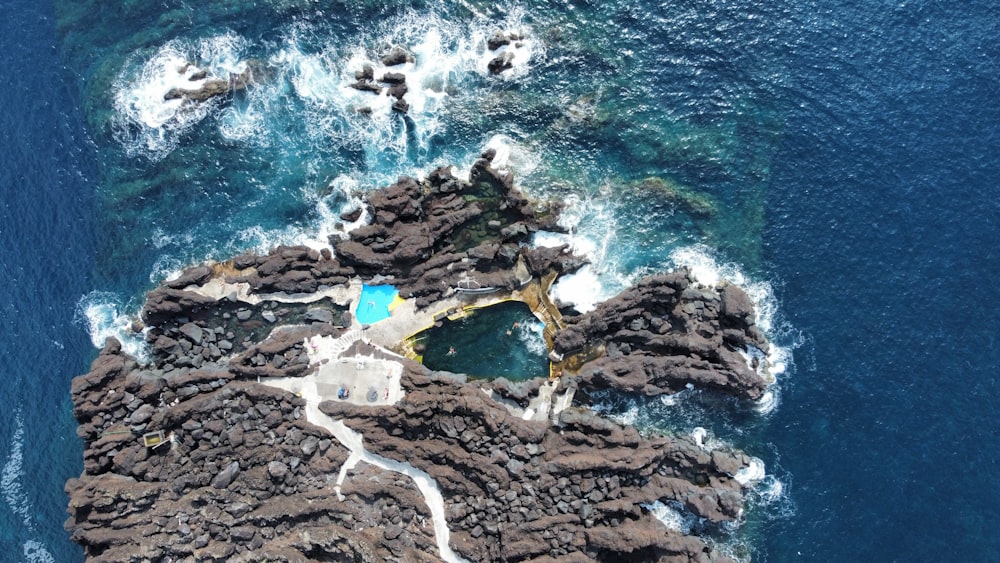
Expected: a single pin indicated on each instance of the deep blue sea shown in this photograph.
(838, 159)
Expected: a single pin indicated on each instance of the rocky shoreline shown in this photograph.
(244, 474)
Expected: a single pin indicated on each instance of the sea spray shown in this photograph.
(103, 314)
(147, 124)
(12, 486)
(12, 475)
(36, 552)
(672, 517)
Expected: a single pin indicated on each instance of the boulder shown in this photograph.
(224, 477)
(397, 56)
(503, 61)
(393, 78)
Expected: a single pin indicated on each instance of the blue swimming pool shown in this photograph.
(374, 304)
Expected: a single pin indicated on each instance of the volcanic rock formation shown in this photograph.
(241, 474)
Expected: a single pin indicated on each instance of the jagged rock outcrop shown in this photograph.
(425, 235)
(241, 475)
(397, 56)
(244, 475)
(204, 87)
(525, 490)
(666, 332)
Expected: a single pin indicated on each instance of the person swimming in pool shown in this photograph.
(451, 351)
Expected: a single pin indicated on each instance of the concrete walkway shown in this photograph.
(308, 389)
(357, 379)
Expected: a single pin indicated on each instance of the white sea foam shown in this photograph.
(591, 224)
(12, 478)
(35, 552)
(752, 473)
(247, 123)
(12, 475)
(670, 400)
(510, 155)
(147, 124)
(167, 267)
(699, 435)
(102, 312)
(601, 278)
(344, 197)
(770, 490)
(259, 240)
(446, 57)
(709, 272)
(675, 399)
(627, 417)
(670, 517)
(707, 441)
(531, 333)
(768, 401)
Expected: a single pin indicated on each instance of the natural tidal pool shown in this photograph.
(504, 340)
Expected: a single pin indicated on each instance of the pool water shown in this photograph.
(375, 303)
(504, 340)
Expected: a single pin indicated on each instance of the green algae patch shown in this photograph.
(686, 199)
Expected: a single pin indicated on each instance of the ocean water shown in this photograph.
(46, 264)
(836, 158)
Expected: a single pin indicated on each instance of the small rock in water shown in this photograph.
(499, 39)
(401, 106)
(366, 73)
(318, 316)
(393, 78)
(503, 61)
(397, 56)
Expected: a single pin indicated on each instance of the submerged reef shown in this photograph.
(267, 423)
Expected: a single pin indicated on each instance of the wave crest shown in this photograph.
(147, 124)
(102, 314)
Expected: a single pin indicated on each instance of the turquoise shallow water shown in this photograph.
(834, 157)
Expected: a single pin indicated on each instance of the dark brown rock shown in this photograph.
(393, 78)
(351, 216)
(367, 86)
(503, 61)
(242, 472)
(400, 106)
(163, 304)
(397, 56)
(688, 346)
(366, 73)
(497, 40)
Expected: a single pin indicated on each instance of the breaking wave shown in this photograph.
(146, 122)
(104, 315)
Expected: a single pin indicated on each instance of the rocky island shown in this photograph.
(268, 424)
